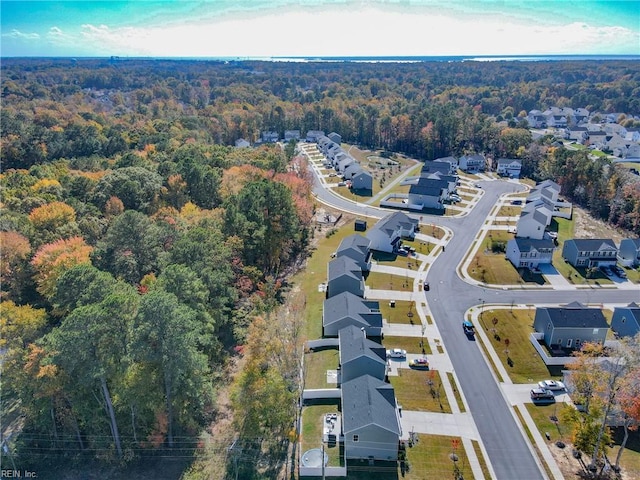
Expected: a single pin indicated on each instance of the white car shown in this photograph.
(552, 385)
(396, 353)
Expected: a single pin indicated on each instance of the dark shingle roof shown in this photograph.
(346, 304)
(353, 344)
(593, 244)
(531, 244)
(356, 242)
(369, 401)
(341, 266)
(575, 315)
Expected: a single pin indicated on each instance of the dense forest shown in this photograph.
(141, 251)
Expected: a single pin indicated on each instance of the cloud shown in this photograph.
(18, 35)
(349, 31)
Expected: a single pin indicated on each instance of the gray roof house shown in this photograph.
(588, 252)
(509, 167)
(387, 233)
(344, 275)
(370, 419)
(346, 309)
(626, 320)
(362, 180)
(472, 163)
(337, 138)
(532, 224)
(314, 135)
(428, 193)
(530, 253)
(291, 135)
(629, 252)
(269, 136)
(433, 166)
(356, 247)
(242, 143)
(568, 327)
(359, 355)
(548, 189)
(343, 163)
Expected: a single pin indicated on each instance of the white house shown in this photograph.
(530, 253)
(387, 233)
(509, 167)
(472, 163)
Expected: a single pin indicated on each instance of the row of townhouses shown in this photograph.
(369, 418)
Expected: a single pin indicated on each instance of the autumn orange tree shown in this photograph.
(52, 221)
(53, 259)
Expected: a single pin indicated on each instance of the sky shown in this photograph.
(314, 28)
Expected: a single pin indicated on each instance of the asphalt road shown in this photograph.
(450, 297)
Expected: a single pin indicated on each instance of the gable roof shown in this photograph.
(526, 245)
(344, 266)
(394, 222)
(354, 242)
(428, 186)
(369, 401)
(575, 315)
(593, 244)
(353, 344)
(365, 313)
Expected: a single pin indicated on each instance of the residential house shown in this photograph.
(633, 135)
(629, 252)
(509, 167)
(536, 119)
(436, 166)
(428, 193)
(588, 252)
(557, 121)
(345, 309)
(530, 253)
(387, 233)
(270, 136)
(472, 163)
(626, 320)
(533, 222)
(362, 180)
(452, 161)
(344, 275)
(291, 135)
(548, 189)
(314, 135)
(359, 355)
(343, 163)
(370, 419)
(334, 137)
(579, 134)
(351, 170)
(570, 326)
(598, 138)
(356, 247)
(242, 143)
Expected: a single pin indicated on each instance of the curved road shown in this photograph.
(450, 296)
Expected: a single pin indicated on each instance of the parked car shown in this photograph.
(551, 385)
(619, 271)
(468, 328)
(516, 202)
(396, 353)
(606, 269)
(421, 362)
(542, 395)
(477, 185)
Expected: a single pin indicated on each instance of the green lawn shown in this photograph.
(400, 313)
(410, 344)
(413, 391)
(316, 365)
(454, 386)
(312, 421)
(387, 281)
(516, 325)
